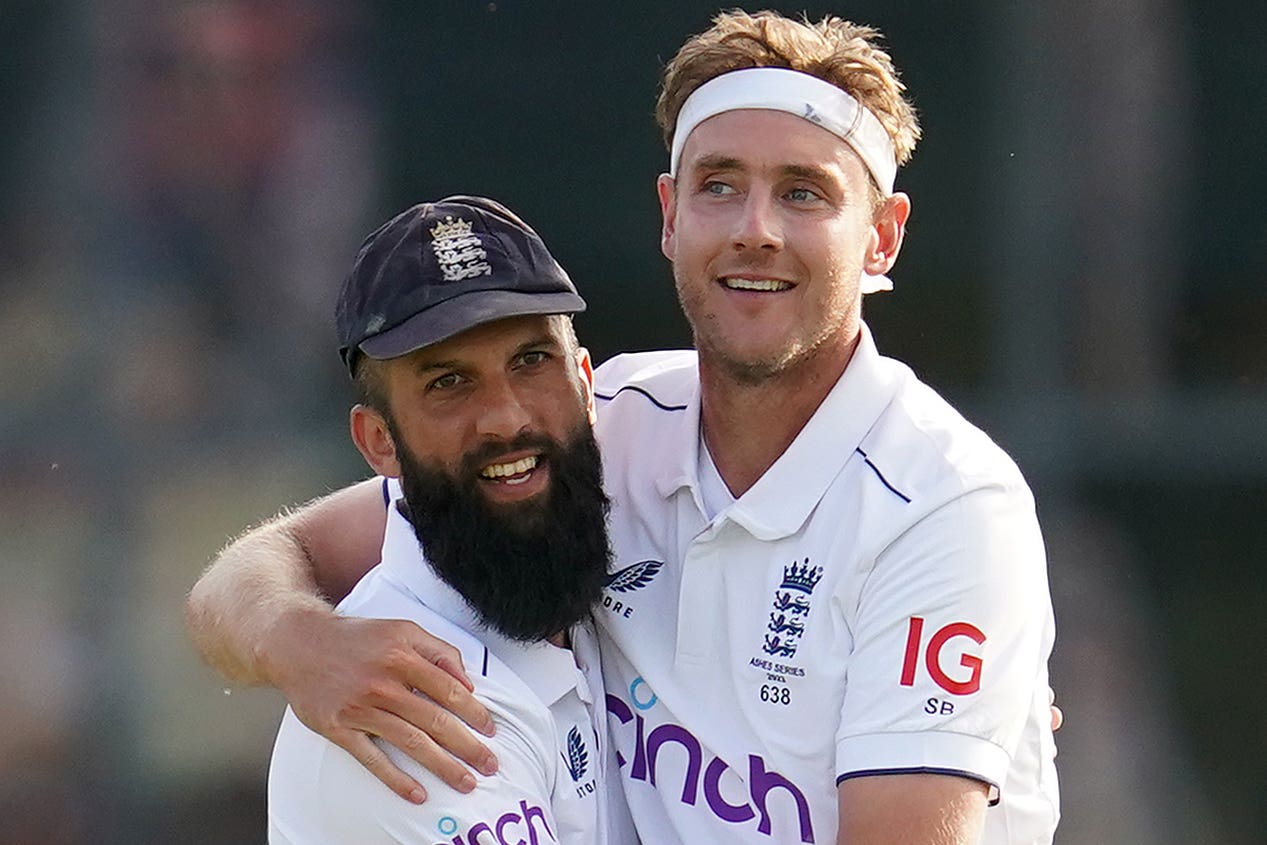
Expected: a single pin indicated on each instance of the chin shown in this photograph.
(750, 368)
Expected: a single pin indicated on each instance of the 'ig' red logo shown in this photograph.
(932, 656)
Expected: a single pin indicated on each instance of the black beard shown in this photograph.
(530, 569)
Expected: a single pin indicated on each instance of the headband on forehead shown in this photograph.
(809, 97)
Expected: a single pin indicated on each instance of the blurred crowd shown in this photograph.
(192, 177)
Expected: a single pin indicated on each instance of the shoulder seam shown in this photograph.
(654, 401)
(883, 480)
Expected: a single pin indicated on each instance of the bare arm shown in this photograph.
(269, 575)
(911, 809)
(258, 616)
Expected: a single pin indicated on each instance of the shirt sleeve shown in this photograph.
(354, 808)
(951, 636)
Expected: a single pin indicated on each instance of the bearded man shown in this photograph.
(476, 411)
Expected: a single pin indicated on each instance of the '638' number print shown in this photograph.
(775, 694)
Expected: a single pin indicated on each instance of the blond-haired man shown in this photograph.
(827, 618)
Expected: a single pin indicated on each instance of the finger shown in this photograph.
(441, 687)
(1057, 718)
(444, 730)
(422, 748)
(456, 669)
(439, 653)
(369, 755)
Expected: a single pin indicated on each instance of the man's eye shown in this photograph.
(801, 195)
(717, 189)
(447, 381)
(534, 358)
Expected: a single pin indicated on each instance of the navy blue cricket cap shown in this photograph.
(443, 267)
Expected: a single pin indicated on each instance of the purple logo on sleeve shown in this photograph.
(526, 827)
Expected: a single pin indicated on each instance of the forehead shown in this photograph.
(758, 138)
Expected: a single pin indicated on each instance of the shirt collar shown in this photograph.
(782, 499)
(549, 671)
(682, 442)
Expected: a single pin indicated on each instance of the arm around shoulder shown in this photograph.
(258, 616)
(270, 583)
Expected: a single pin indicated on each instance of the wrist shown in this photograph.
(287, 637)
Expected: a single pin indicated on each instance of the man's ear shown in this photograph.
(888, 230)
(586, 368)
(374, 440)
(666, 189)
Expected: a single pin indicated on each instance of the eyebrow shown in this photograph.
(447, 364)
(716, 161)
(456, 364)
(813, 173)
(543, 340)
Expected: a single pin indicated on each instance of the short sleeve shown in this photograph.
(952, 631)
(354, 808)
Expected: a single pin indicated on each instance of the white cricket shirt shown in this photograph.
(876, 603)
(552, 785)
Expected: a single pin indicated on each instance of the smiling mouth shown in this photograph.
(511, 472)
(760, 285)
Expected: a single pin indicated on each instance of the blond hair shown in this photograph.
(845, 54)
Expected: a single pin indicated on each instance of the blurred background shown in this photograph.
(183, 185)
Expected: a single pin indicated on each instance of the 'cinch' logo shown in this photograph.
(510, 827)
(768, 791)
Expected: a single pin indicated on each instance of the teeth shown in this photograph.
(515, 468)
(755, 284)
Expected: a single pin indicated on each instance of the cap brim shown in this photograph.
(454, 316)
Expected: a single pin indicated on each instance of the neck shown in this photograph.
(749, 425)
(560, 639)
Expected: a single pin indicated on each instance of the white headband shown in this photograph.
(809, 97)
(805, 96)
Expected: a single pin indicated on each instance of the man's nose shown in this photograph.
(503, 413)
(758, 225)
